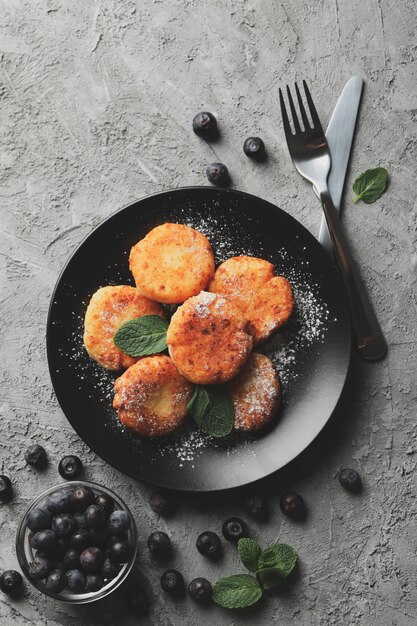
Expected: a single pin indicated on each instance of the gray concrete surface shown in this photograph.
(96, 103)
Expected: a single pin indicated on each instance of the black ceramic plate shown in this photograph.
(312, 353)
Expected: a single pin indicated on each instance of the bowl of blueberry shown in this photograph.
(77, 542)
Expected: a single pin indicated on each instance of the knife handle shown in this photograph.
(369, 339)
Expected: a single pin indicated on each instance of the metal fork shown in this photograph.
(311, 156)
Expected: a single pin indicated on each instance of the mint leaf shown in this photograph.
(142, 336)
(236, 592)
(278, 556)
(249, 552)
(270, 577)
(212, 410)
(370, 185)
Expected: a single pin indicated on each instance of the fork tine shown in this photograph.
(293, 112)
(313, 112)
(286, 121)
(302, 109)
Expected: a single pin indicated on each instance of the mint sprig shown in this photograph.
(272, 567)
(142, 336)
(212, 409)
(370, 185)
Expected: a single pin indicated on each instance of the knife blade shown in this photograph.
(339, 135)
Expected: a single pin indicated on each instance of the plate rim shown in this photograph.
(167, 192)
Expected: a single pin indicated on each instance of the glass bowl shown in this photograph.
(25, 553)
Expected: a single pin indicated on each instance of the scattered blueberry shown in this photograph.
(11, 582)
(106, 502)
(82, 497)
(254, 148)
(293, 505)
(234, 529)
(200, 590)
(159, 544)
(256, 507)
(58, 502)
(70, 467)
(91, 559)
(39, 519)
(120, 551)
(161, 503)
(44, 540)
(79, 519)
(208, 544)
(95, 516)
(36, 456)
(137, 598)
(6, 490)
(119, 522)
(39, 567)
(218, 174)
(110, 569)
(350, 479)
(81, 539)
(205, 125)
(71, 559)
(94, 582)
(75, 580)
(55, 581)
(172, 582)
(63, 525)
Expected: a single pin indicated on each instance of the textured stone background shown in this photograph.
(96, 104)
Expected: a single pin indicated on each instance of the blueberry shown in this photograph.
(91, 559)
(79, 519)
(254, 148)
(137, 599)
(95, 516)
(234, 529)
(161, 503)
(94, 582)
(200, 590)
(39, 519)
(120, 551)
(63, 525)
(292, 505)
(75, 580)
(70, 467)
(44, 540)
(36, 456)
(350, 479)
(6, 490)
(55, 581)
(172, 582)
(256, 506)
(11, 582)
(106, 502)
(80, 539)
(61, 546)
(208, 544)
(39, 567)
(159, 544)
(82, 497)
(99, 536)
(110, 569)
(119, 522)
(71, 559)
(218, 174)
(205, 125)
(58, 502)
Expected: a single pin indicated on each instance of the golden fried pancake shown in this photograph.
(240, 276)
(172, 263)
(271, 308)
(151, 396)
(256, 393)
(109, 308)
(208, 340)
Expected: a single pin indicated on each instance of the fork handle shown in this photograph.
(369, 339)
